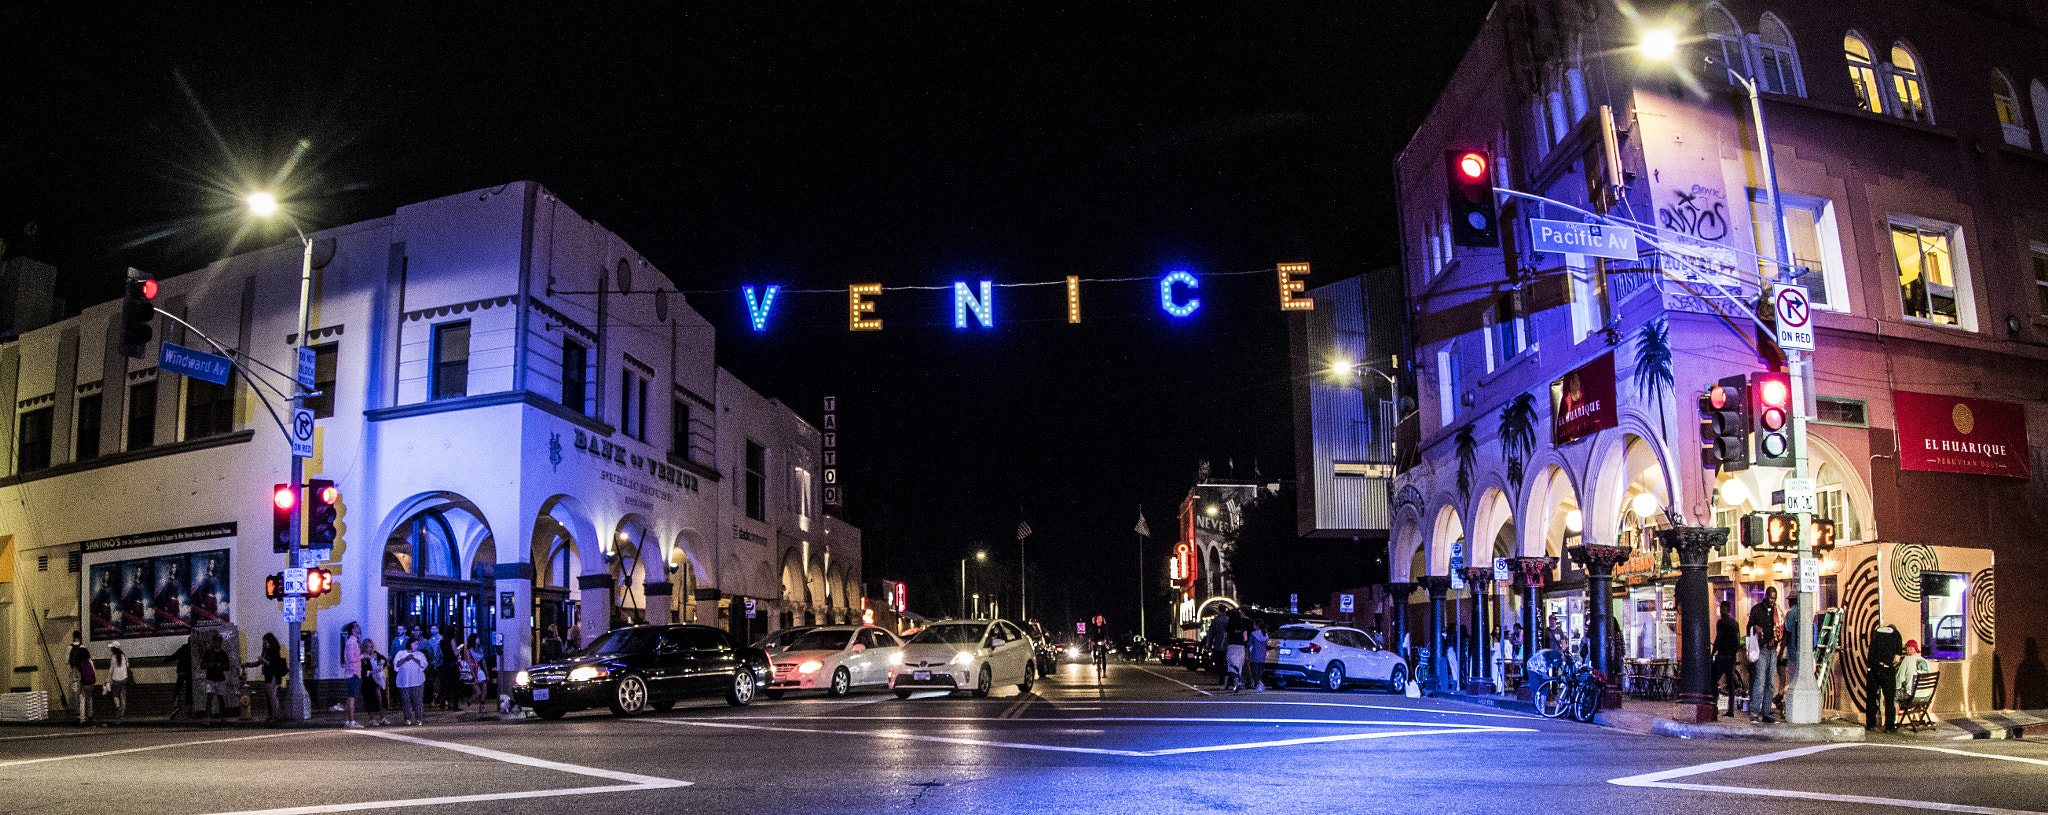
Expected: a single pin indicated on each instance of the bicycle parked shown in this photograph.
(1569, 685)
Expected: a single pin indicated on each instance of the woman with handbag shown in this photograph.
(82, 677)
(117, 680)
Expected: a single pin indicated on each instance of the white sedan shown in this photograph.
(974, 655)
(837, 658)
(1333, 656)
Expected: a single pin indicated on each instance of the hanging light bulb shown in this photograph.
(1734, 492)
(1574, 522)
(1644, 504)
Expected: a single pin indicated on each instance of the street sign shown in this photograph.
(1501, 570)
(1345, 603)
(1795, 318)
(295, 581)
(1809, 575)
(306, 373)
(196, 364)
(1458, 564)
(1799, 495)
(750, 607)
(295, 608)
(1294, 604)
(1573, 238)
(302, 433)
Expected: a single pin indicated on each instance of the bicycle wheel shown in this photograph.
(1552, 698)
(1586, 700)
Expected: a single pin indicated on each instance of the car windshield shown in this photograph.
(950, 634)
(780, 639)
(621, 641)
(1296, 632)
(820, 641)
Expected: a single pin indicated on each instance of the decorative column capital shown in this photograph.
(1437, 584)
(1531, 572)
(1478, 575)
(1398, 592)
(1693, 543)
(1599, 558)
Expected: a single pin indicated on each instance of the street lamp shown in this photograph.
(263, 204)
(978, 557)
(1802, 699)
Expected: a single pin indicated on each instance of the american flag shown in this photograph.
(1023, 530)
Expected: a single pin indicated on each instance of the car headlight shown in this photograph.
(896, 658)
(1073, 652)
(964, 658)
(587, 673)
(810, 666)
(519, 679)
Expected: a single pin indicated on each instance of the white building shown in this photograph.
(492, 365)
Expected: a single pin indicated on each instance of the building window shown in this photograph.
(1831, 502)
(1862, 73)
(2038, 94)
(1931, 284)
(325, 364)
(1907, 88)
(90, 421)
(633, 404)
(209, 408)
(1943, 613)
(1843, 411)
(757, 482)
(1726, 36)
(142, 415)
(2040, 259)
(1777, 60)
(34, 441)
(1506, 334)
(575, 376)
(679, 428)
(451, 360)
(1450, 383)
(422, 547)
(1815, 242)
(2007, 101)
(800, 487)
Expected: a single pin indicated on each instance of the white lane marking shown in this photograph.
(1102, 751)
(1173, 680)
(1350, 705)
(1137, 719)
(44, 736)
(1660, 780)
(634, 781)
(146, 749)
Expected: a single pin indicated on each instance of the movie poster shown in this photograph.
(169, 605)
(104, 609)
(137, 620)
(208, 600)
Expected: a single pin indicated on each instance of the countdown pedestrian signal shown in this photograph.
(1771, 408)
(1779, 532)
(318, 582)
(273, 586)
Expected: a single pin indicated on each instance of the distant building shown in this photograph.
(525, 435)
(1350, 391)
(1199, 569)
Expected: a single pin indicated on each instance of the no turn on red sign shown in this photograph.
(1795, 318)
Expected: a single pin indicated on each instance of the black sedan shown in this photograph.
(645, 667)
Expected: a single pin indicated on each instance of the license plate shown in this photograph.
(1287, 650)
(540, 694)
(921, 676)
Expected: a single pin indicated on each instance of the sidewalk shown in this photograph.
(321, 718)
(1661, 719)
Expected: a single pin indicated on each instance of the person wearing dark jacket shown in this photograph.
(1727, 644)
(1881, 663)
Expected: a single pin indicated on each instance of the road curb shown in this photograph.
(1750, 732)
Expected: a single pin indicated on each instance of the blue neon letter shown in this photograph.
(758, 312)
(1166, 300)
(964, 301)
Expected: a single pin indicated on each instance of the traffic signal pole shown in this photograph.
(299, 703)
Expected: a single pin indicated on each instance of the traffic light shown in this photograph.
(283, 499)
(1724, 425)
(138, 310)
(1473, 219)
(273, 586)
(1771, 405)
(318, 581)
(321, 496)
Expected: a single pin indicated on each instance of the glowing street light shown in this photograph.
(262, 204)
(1658, 44)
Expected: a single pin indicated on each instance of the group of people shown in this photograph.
(1890, 663)
(433, 666)
(1240, 639)
(215, 678)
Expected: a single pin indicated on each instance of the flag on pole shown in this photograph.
(1023, 530)
(1143, 530)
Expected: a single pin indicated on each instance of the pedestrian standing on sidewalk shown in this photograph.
(373, 684)
(214, 666)
(1727, 643)
(550, 647)
(1763, 625)
(117, 679)
(79, 662)
(411, 670)
(452, 686)
(351, 671)
(272, 661)
(1881, 682)
(1255, 658)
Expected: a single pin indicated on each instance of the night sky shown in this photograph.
(813, 145)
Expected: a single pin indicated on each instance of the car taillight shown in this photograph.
(1313, 648)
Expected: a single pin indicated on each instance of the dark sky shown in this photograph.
(813, 145)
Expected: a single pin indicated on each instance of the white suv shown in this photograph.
(1333, 656)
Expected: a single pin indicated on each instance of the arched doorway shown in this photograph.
(439, 569)
(626, 561)
(556, 565)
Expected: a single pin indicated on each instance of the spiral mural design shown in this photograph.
(1908, 561)
(1859, 616)
(1981, 607)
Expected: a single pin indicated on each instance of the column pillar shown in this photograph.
(660, 598)
(1530, 574)
(1397, 595)
(1439, 673)
(1600, 560)
(1479, 582)
(1696, 699)
(594, 597)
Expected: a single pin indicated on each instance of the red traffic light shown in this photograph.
(284, 497)
(148, 289)
(1472, 165)
(328, 494)
(1775, 392)
(1717, 396)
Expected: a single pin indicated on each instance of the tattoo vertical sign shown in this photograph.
(835, 497)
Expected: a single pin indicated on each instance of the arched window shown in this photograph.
(1862, 73)
(2007, 102)
(422, 547)
(1831, 502)
(561, 566)
(2039, 93)
(1907, 88)
(1726, 36)
(1777, 60)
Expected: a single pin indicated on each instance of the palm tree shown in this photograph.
(1518, 435)
(1468, 460)
(1653, 368)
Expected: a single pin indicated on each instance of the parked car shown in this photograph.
(974, 655)
(1044, 647)
(1180, 652)
(836, 658)
(644, 667)
(1333, 657)
(778, 640)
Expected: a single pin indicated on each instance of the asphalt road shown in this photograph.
(1145, 739)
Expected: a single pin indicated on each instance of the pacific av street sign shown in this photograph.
(1573, 238)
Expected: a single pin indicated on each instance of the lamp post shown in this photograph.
(298, 704)
(978, 557)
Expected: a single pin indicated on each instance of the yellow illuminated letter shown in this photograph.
(857, 305)
(1290, 287)
(1073, 298)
